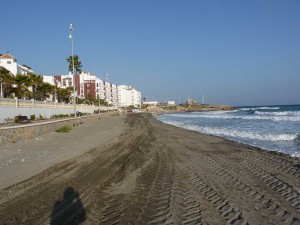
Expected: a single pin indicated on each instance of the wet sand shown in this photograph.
(136, 170)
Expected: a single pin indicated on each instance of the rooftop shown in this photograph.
(7, 56)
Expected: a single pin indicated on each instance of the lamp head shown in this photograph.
(71, 26)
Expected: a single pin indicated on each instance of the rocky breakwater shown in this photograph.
(200, 108)
(162, 109)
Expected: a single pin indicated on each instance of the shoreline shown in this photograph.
(150, 171)
(229, 139)
(249, 142)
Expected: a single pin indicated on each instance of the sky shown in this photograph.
(233, 52)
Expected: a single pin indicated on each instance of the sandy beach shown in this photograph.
(136, 170)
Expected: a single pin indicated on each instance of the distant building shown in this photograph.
(100, 89)
(128, 96)
(88, 84)
(114, 94)
(154, 103)
(10, 63)
(85, 83)
(171, 103)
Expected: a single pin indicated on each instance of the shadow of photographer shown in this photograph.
(69, 210)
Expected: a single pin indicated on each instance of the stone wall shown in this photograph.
(30, 131)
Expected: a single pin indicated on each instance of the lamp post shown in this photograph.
(1, 87)
(55, 96)
(108, 97)
(74, 89)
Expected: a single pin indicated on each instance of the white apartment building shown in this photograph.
(107, 92)
(114, 94)
(100, 93)
(87, 84)
(128, 96)
(10, 63)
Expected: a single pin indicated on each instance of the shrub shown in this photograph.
(32, 117)
(16, 118)
(63, 129)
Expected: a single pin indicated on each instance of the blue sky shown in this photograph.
(236, 52)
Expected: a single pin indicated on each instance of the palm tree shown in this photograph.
(34, 81)
(90, 99)
(45, 89)
(77, 64)
(7, 80)
(21, 86)
(64, 94)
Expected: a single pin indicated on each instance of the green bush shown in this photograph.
(63, 129)
(55, 116)
(16, 118)
(32, 117)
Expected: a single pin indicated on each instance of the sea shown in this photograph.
(275, 128)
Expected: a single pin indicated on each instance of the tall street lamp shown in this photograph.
(2, 87)
(74, 89)
(55, 83)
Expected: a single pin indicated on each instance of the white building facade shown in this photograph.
(87, 84)
(10, 63)
(128, 96)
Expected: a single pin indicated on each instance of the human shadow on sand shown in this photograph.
(69, 210)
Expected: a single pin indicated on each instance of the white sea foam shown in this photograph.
(214, 112)
(295, 154)
(270, 129)
(237, 133)
(283, 113)
(259, 108)
(243, 117)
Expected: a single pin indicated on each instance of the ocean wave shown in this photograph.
(249, 135)
(259, 108)
(237, 133)
(243, 117)
(295, 154)
(214, 112)
(283, 113)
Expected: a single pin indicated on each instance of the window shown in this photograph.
(8, 62)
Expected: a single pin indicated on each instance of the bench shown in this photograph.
(22, 119)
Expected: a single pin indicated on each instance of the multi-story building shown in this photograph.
(100, 93)
(10, 63)
(114, 94)
(87, 84)
(128, 96)
(107, 92)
